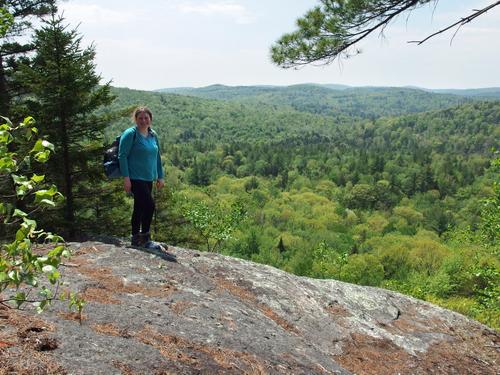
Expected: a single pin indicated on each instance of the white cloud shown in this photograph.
(225, 8)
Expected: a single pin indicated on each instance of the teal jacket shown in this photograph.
(139, 156)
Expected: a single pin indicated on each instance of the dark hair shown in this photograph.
(142, 109)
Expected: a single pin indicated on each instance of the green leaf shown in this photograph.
(38, 306)
(14, 276)
(48, 202)
(29, 223)
(22, 233)
(8, 123)
(19, 213)
(38, 146)
(45, 194)
(8, 164)
(42, 146)
(46, 292)
(21, 190)
(37, 178)
(5, 137)
(57, 251)
(54, 276)
(41, 305)
(50, 237)
(20, 298)
(29, 121)
(47, 144)
(18, 180)
(48, 269)
(31, 280)
(23, 185)
(42, 156)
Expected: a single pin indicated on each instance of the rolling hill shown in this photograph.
(355, 102)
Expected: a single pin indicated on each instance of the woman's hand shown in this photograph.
(160, 183)
(127, 185)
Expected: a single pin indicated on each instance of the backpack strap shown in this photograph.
(153, 133)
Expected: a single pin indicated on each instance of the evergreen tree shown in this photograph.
(20, 15)
(281, 246)
(6, 21)
(65, 96)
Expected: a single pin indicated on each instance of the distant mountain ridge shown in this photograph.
(182, 119)
(482, 92)
(331, 100)
(485, 92)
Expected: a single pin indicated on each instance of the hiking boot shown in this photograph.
(137, 240)
(146, 237)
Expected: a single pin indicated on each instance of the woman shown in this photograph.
(140, 166)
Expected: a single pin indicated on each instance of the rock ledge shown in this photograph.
(211, 314)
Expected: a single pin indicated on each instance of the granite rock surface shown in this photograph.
(212, 314)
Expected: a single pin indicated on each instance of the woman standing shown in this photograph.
(140, 166)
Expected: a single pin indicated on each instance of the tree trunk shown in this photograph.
(4, 97)
(69, 214)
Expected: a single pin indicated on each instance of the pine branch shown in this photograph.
(462, 22)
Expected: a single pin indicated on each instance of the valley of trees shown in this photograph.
(389, 187)
(397, 201)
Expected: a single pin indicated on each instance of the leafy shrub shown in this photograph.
(213, 223)
(20, 267)
(364, 269)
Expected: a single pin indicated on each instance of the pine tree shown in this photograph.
(334, 28)
(21, 14)
(281, 246)
(66, 93)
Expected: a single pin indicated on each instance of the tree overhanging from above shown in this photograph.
(332, 29)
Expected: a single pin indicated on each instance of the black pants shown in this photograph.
(144, 206)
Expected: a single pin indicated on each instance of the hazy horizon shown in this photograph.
(196, 43)
(315, 83)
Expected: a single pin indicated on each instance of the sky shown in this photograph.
(156, 44)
